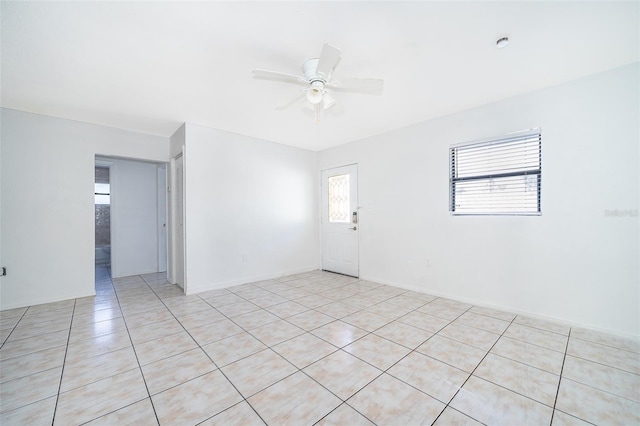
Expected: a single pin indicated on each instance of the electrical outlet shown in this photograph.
(3, 272)
(245, 257)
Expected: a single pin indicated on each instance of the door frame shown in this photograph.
(322, 213)
(173, 231)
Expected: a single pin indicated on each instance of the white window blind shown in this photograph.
(500, 176)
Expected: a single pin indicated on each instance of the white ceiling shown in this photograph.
(150, 66)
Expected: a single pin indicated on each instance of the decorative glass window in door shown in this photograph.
(339, 199)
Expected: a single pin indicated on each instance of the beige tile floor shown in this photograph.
(305, 349)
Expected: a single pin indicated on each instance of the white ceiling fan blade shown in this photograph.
(278, 76)
(370, 86)
(329, 58)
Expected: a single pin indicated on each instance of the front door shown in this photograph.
(340, 225)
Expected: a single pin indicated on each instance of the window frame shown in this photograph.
(489, 176)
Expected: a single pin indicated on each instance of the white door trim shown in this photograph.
(340, 242)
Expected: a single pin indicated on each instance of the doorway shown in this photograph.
(131, 225)
(340, 222)
(102, 202)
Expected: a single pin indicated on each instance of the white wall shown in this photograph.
(250, 197)
(134, 217)
(47, 228)
(572, 263)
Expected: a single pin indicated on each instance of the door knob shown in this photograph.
(353, 229)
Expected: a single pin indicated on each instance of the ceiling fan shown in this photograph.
(317, 80)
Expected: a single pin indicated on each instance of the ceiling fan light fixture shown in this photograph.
(315, 92)
(328, 101)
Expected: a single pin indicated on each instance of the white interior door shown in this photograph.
(179, 222)
(340, 220)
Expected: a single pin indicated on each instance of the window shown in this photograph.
(339, 199)
(500, 176)
(103, 195)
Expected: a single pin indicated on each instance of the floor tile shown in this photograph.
(344, 415)
(97, 346)
(286, 309)
(197, 359)
(452, 352)
(310, 320)
(166, 373)
(563, 419)
(603, 354)
(606, 339)
(16, 348)
(196, 400)
(81, 331)
(453, 417)
(233, 348)
(37, 414)
(388, 401)
(491, 404)
(596, 406)
(424, 321)
(538, 337)
(139, 413)
(493, 313)
(337, 309)
(469, 335)
(431, 376)
(441, 311)
(366, 320)
(235, 309)
(296, 400)
(199, 319)
(483, 322)
(304, 349)
(88, 370)
(32, 363)
(526, 353)
(29, 389)
(99, 398)
(605, 378)
(32, 330)
(342, 373)
(339, 333)
(403, 334)
(255, 319)
(154, 331)
(375, 350)
(542, 324)
(148, 317)
(164, 347)
(254, 373)
(240, 414)
(213, 332)
(526, 380)
(276, 332)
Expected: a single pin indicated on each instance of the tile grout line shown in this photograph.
(64, 362)
(564, 358)
(473, 371)
(133, 347)
(208, 356)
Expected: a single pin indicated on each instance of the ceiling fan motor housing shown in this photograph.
(309, 69)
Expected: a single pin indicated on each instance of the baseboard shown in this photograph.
(484, 304)
(230, 283)
(42, 301)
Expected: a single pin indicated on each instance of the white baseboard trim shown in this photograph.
(484, 304)
(191, 289)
